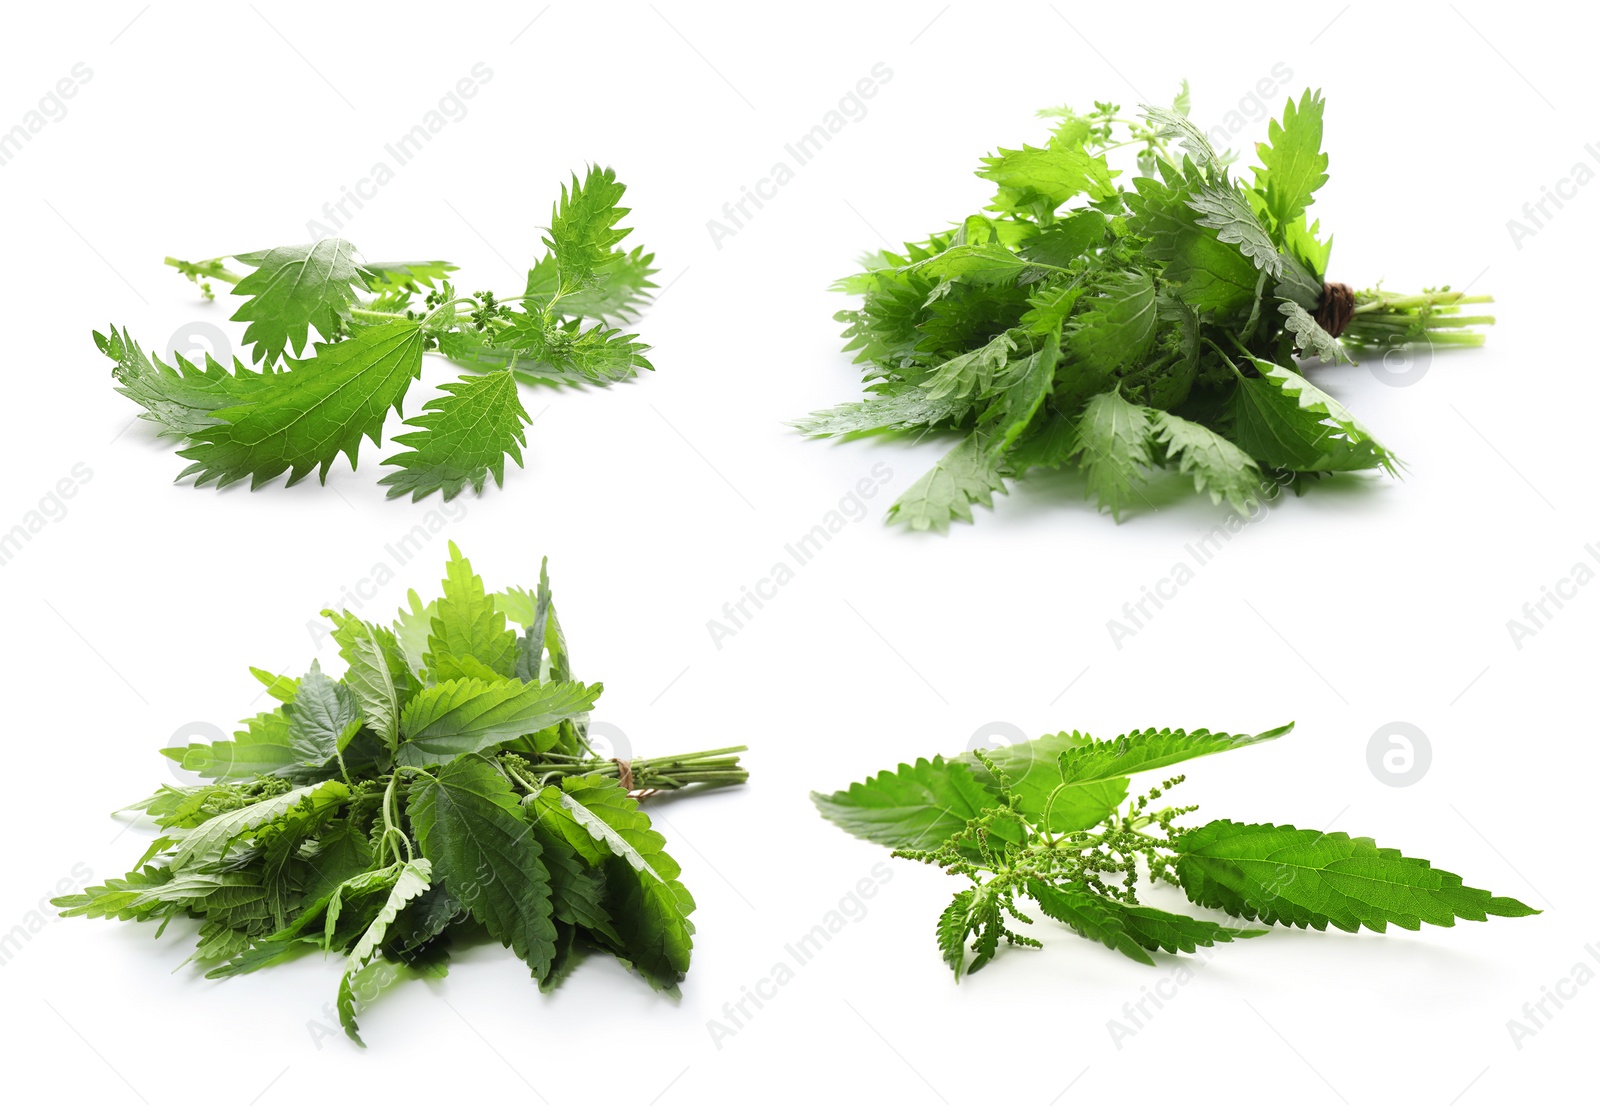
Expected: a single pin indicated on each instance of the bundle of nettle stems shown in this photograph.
(712, 767)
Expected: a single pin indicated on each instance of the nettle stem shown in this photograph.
(1433, 316)
(712, 767)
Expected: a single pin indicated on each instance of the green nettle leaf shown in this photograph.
(321, 407)
(1111, 442)
(1278, 873)
(1056, 175)
(1049, 820)
(649, 907)
(261, 748)
(621, 291)
(463, 715)
(917, 805)
(1293, 166)
(1217, 466)
(975, 262)
(1033, 771)
(467, 628)
(1118, 324)
(1085, 316)
(1133, 930)
(423, 798)
(181, 399)
(465, 436)
(206, 843)
(378, 676)
(968, 475)
(297, 410)
(411, 880)
(387, 277)
(1283, 420)
(582, 228)
(322, 718)
(483, 849)
(296, 288)
(898, 412)
(1309, 336)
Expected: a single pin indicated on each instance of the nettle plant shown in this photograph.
(444, 784)
(298, 414)
(1127, 328)
(1047, 823)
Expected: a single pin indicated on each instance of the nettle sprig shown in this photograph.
(298, 414)
(445, 783)
(1047, 826)
(1125, 328)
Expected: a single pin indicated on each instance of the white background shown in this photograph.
(211, 128)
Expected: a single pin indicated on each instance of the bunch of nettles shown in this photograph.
(445, 783)
(1048, 824)
(297, 414)
(1127, 328)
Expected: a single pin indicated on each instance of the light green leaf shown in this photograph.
(918, 806)
(322, 407)
(464, 715)
(968, 474)
(463, 437)
(467, 625)
(378, 674)
(1278, 873)
(1217, 466)
(1112, 445)
(412, 879)
(1293, 166)
(293, 288)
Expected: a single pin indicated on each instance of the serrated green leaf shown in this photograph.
(968, 474)
(1293, 166)
(1278, 873)
(917, 806)
(464, 437)
(582, 232)
(1111, 442)
(464, 715)
(378, 675)
(410, 881)
(1133, 930)
(649, 907)
(1217, 466)
(292, 289)
(1282, 420)
(321, 407)
(466, 625)
(473, 829)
